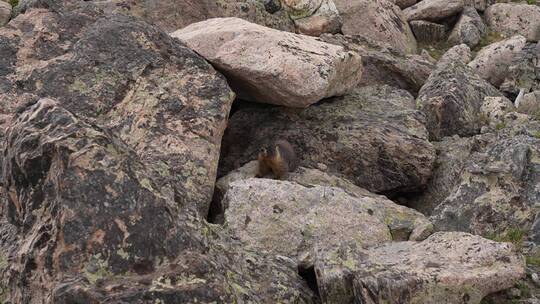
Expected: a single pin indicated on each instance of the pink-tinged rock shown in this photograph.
(270, 66)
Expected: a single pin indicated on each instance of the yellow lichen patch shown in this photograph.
(96, 268)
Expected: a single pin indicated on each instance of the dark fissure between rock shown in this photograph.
(308, 274)
(216, 211)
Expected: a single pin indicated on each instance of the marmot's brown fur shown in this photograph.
(279, 158)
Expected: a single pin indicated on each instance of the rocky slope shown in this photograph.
(129, 132)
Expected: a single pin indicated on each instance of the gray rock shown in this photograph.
(383, 65)
(379, 20)
(493, 61)
(494, 109)
(102, 212)
(469, 29)
(252, 57)
(374, 137)
(325, 20)
(260, 212)
(171, 15)
(433, 10)
(403, 223)
(426, 31)
(125, 90)
(109, 177)
(515, 19)
(446, 268)
(486, 184)
(523, 71)
(479, 5)
(5, 13)
(452, 96)
(403, 4)
(530, 104)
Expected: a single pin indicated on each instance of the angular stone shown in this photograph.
(270, 66)
(446, 268)
(171, 15)
(486, 184)
(452, 97)
(469, 29)
(325, 20)
(493, 61)
(494, 109)
(386, 66)
(5, 12)
(261, 211)
(523, 71)
(426, 31)
(515, 19)
(402, 223)
(375, 137)
(530, 104)
(433, 10)
(403, 4)
(379, 20)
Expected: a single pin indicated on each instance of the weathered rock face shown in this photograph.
(5, 12)
(261, 211)
(252, 56)
(379, 20)
(479, 5)
(530, 104)
(386, 66)
(494, 109)
(171, 15)
(451, 98)
(445, 268)
(469, 29)
(375, 137)
(515, 19)
(488, 183)
(523, 71)
(404, 3)
(426, 31)
(492, 62)
(433, 10)
(89, 211)
(313, 17)
(400, 223)
(126, 90)
(93, 215)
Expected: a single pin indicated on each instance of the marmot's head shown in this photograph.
(267, 151)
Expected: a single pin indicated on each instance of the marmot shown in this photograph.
(278, 158)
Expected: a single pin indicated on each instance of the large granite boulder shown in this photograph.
(270, 66)
(493, 61)
(171, 15)
(515, 19)
(433, 10)
(446, 268)
(161, 98)
(260, 212)
(384, 65)
(101, 197)
(401, 223)
(375, 137)
(379, 20)
(452, 97)
(93, 226)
